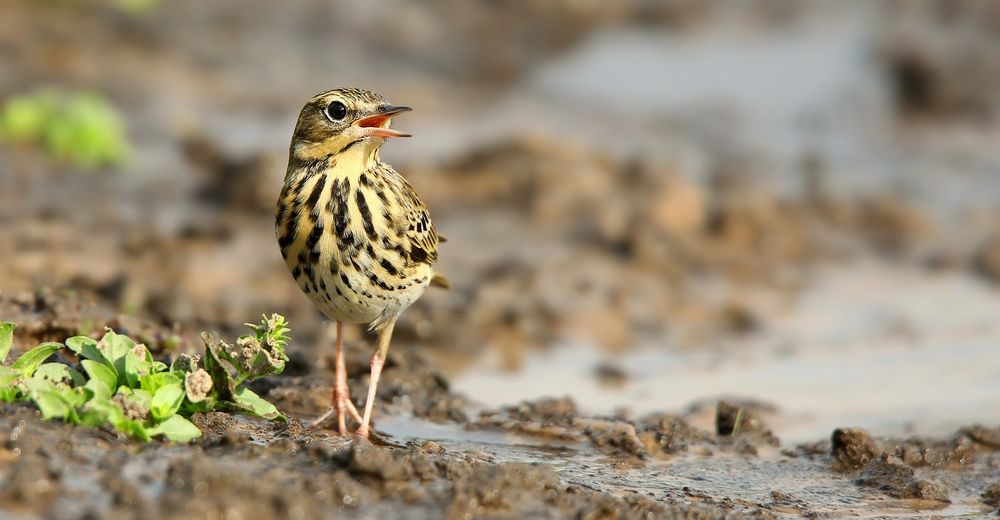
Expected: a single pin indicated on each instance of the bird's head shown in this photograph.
(343, 118)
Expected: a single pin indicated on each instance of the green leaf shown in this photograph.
(101, 372)
(252, 403)
(58, 373)
(141, 397)
(76, 397)
(166, 402)
(115, 346)
(51, 404)
(177, 429)
(143, 360)
(36, 385)
(134, 429)
(208, 405)
(87, 348)
(152, 382)
(10, 391)
(129, 373)
(10, 394)
(6, 339)
(99, 411)
(8, 376)
(97, 388)
(30, 360)
(77, 377)
(55, 372)
(76, 343)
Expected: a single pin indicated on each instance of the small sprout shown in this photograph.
(738, 423)
(197, 385)
(272, 332)
(263, 352)
(244, 352)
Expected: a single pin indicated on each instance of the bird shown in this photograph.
(352, 231)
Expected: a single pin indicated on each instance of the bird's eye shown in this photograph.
(336, 111)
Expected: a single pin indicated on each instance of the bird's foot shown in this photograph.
(323, 418)
(343, 400)
(341, 406)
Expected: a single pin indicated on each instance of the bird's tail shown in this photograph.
(438, 280)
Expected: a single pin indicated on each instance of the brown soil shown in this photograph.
(549, 242)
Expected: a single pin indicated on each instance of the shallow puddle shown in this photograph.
(887, 349)
(742, 482)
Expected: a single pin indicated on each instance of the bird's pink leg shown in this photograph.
(341, 397)
(378, 361)
(341, 392)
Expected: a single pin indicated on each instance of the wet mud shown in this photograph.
(550, 243)
(431, 456)
(246, 467)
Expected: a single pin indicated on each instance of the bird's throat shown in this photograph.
(358, 154)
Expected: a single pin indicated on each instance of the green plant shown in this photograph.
(80, 128)
(137, 6)
(134, 7)
(118, 383)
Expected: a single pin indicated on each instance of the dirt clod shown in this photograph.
(667, 435)
(900, 481)
(852, 448)
(615, 438)
(991, 496)
(553, 418)
(502, 490)
(366, 459)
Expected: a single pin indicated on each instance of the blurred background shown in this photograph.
(649, 204)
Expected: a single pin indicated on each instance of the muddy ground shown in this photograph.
(429, 458)
(663, 235)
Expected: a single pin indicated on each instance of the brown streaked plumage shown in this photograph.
(354, 234)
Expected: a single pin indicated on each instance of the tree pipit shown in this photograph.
(353, 233)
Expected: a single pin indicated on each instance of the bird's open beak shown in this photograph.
(378, 124)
